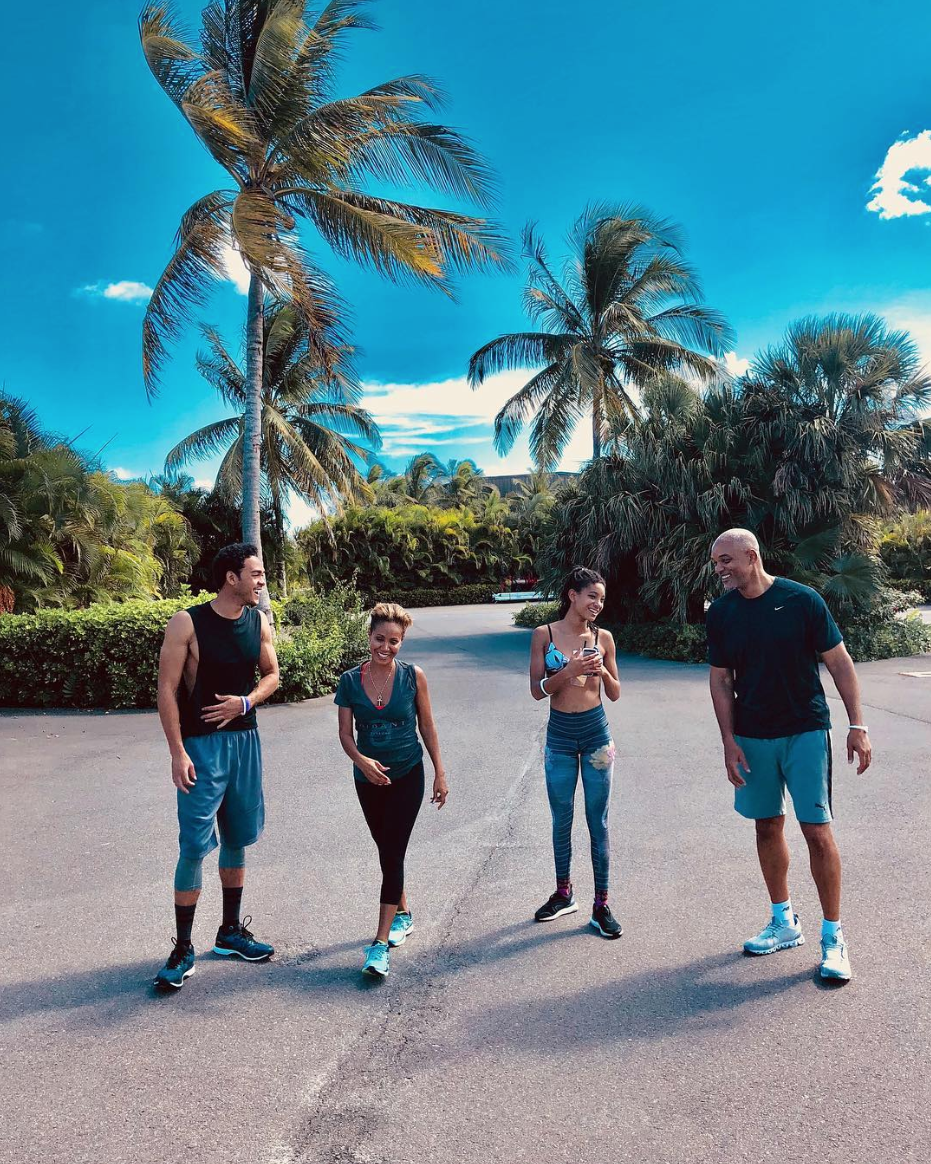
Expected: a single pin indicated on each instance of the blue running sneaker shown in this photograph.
(401, 927)
(239, 941)
(775, 936)
(180, 965)
(376, 960)
(835, 962)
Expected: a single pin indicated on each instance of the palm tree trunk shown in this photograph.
(597, 400)
(252, 426)
(282, 567)
(596, 430)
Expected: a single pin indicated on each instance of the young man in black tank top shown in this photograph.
(207, 696)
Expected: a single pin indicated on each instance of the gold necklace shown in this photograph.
(379, 695)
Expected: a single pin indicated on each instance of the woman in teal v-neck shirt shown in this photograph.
(387, 700)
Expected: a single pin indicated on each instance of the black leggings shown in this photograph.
(390, 811)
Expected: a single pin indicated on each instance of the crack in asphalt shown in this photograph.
(346, 1105)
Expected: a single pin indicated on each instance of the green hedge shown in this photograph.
(535, 614)
(479, 592)
(107, 655)
(883, 637)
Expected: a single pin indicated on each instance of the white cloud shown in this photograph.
(124, 474)
(126, 291)
(236, 270)
(204, 483)
(411, 414)
(735, 365)
(895, 194)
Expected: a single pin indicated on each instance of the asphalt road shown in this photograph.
(494, 1039)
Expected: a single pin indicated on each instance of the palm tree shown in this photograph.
(420, 477)
(259, 94)
(311, 427)
(461, 482)
(809, 450)
(627, 307)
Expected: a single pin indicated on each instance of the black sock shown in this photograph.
(232, 899)
(184, 920)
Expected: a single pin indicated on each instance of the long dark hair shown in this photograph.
(577, 579)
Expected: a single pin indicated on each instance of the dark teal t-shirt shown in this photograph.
(388, 735)
(772, 644)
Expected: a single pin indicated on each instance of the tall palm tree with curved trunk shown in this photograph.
(313, 431)
(626, 307)
(258, 91)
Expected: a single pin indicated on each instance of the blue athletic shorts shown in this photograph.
(801, 764)
(227, 794)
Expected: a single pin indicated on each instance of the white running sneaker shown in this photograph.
(834, 961)
(775, 937)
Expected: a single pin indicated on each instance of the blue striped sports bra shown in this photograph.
(555, 660)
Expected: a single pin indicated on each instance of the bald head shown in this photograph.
(737, 539)
(737, 562)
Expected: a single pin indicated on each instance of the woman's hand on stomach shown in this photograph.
(374, 771)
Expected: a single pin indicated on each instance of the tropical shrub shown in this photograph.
(70, 534)
(905, 548)
(810, 450)
(412, 547)
(880, 632)
(534, 614)
(478, 592)
(107, 655)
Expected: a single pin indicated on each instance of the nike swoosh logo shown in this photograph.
(777, 608)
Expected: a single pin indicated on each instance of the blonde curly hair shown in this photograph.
(389, 612)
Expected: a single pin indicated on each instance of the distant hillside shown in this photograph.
(508, 482)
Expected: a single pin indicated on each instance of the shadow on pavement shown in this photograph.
(114, 994)
(694, 997)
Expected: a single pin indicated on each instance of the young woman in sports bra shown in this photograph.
(571, 662)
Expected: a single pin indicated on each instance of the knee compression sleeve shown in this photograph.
(188, 874)
(232, 858)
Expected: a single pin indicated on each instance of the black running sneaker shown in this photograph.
(180, 965)
(604, 921)
(241, 943)
(557, 905)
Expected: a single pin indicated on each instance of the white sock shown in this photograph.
(782, 912)
(830, 929)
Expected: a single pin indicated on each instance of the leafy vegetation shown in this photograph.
(811, 449)
(106, 656)
(70, 534)
(259, 92)
(905, 549)
(626, 307)
(311, 424)
(411, 547)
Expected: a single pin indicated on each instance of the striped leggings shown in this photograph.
(580, 741)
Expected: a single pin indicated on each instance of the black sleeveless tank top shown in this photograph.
(228, 651)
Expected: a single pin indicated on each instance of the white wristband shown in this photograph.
(246, 705)
(543, 687)
(858, 727)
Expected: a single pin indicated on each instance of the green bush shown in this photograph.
(107, 655)
(431, 596)
(534, 614)
(877, 634)
(680, 642)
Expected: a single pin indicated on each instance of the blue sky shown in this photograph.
(760, 129)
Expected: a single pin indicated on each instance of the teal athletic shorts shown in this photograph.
(800, 763)
(227, 793)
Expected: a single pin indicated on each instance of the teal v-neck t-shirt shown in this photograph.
(388, 735)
